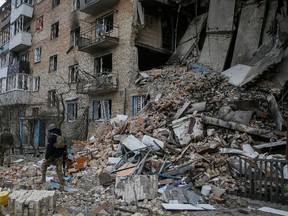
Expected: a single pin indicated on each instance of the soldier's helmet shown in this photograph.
(51, 127)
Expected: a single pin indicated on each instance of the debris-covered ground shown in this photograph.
(183, 150)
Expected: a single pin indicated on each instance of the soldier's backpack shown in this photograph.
(60, 141)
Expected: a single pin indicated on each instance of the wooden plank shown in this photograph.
(99, 208)
(61, 210)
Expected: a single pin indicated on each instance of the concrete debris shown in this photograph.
(199, 129)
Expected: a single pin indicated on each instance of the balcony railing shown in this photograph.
(98, 37)
(95, 6)
(102, 83)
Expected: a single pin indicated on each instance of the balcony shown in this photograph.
(19, 67)
(103, 83)
(100, 37)
(15, 97)
(24, 9)
(15, 90)
(5, 22)
(20, 42)
(95, 6)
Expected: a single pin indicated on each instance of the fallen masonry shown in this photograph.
(32, 202)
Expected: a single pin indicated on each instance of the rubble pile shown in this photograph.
(174, 138)
(184, 145)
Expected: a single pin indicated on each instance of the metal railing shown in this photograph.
(98, 33)
(263, 179)
(101, 82)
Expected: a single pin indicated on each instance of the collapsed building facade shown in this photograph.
(75, 63)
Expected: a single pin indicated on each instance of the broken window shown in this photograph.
(36, 83)
(53, 63)
(74, 37)
(54, 30)
(101, 110)
(104, 25)
(4, 59)
(103, 65)
(138, 103)
(37, 54)
(75, 5)
(73, 73)
(25, 57)
(72, 111)
(5, 34)
(55, 3)
(52, 98)
(39, 23)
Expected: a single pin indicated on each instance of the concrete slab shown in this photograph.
(221, 15)
(215, 50)
(139, 186)
(189, 40)
(267, 34)
(237, 74)
(281, 77)
(271, 59)
(249, 32)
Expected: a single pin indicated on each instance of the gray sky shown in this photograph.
(1, 2)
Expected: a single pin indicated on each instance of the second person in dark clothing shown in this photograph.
(53, 156)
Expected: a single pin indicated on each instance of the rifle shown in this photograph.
(64, 160)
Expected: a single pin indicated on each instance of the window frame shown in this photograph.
(74, 38)
(143, 102)
(5, 34)
(73, 76)
(54, 30)
(99, 109)
(39, 23)
(72, 110)
(37, 56)
(51, 101)
(36, 84)
(53, 63)
(75, 5)
(55, 3)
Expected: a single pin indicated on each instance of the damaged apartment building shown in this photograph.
(75, 62)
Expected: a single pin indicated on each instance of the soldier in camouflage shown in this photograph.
(6, 143)
(53, 156)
